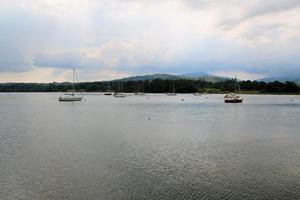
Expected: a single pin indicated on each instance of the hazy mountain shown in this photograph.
(193, 76)
(204, 76)
(151, 77)
(196, 75)
(214, 79)
(281, 79)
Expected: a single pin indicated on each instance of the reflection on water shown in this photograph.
(149, 148)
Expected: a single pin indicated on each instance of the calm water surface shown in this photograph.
(158, 147)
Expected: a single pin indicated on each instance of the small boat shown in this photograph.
(108, 90)
(117, 94)
(71, 96)
(140, 93)
(234, 97)
(141, 89)
(198, 89)
(173, 92)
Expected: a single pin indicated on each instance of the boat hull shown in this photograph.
(69, 99)
(233, 100)
(171, 94)
(139, 94)
(119, 95)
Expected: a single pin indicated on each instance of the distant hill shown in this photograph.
(214, 79)
(162, 86)
(203, 76)
(195, 75)
(191, 76)
(151, 77)
(281, 79)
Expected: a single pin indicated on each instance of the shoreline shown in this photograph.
(89, 93)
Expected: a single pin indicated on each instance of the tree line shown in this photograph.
(156, 86)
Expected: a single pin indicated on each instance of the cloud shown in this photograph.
(269, 6)
(113, 37)
(241, 75)
(64, 60)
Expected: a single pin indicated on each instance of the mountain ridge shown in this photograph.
(281, 79)
(165, 76)
(201, 75)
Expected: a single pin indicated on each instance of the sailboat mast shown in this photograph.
(108, 86)
(235, 84)
(73, 82)
(238, 87)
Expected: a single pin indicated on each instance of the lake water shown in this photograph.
(149, 147)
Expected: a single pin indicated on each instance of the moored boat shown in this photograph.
(108, 91)
(234, 97)
(71, 96)
(173, 92)
(140, 91)
(197, 94)
(117, 94)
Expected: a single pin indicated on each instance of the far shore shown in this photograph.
(132, 93)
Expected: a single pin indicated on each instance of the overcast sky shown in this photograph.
(40, 40)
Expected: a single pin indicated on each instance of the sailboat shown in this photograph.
(140, 93)
(197, 93)
(71, 96)
(108, 91)
(173, 92)
(117, 94)
(234, 97)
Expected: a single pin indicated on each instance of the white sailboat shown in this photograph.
(173, 92)
(71, 96)
(234, 97)
(108, 90)
(117, 94)
(140, 93)
(197, 93)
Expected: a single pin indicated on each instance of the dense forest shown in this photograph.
(156, 86)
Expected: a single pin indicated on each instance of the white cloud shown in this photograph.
(239, 74)
(113, 37)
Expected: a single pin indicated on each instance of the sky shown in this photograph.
(42, 40)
